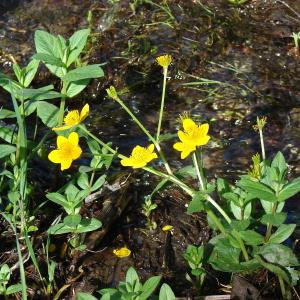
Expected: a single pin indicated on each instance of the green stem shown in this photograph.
(196, 164)
(242, 245)
(262, 144)
(162, 104)
(215, 219)
(62, 105)
(199, 157)
(199, 170)
(282, 287)
(151, 138)
(172, 178)
(270, 226)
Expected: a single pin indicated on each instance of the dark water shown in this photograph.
(246, 51)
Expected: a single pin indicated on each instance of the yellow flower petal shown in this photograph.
(167, 228)
(204, 128)
(164, 60)
(122, 252)
(188, 124)
(139, 157)
(65, 164)
(73, 138)
(54, 156)
(151, 148)
(61, 141)
(84, 112)
(76, 152)
(67, 151)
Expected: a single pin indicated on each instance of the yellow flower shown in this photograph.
(74, 118)
(67, 151)
(167, 228)
(122, 252)
(193, 136)
(164, 60)
(139, 157)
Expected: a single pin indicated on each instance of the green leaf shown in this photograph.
(240, 225)
(196, 205)
(87, 225)
(39, 94)
(105, 297)
(48, 113)
(30, 71)
(257, 190)
(85, 296)
(276, 269)
(72, 220)
(75, 87)
(47, 43)
(187, 171)
(60, 228)
(8, 134)
(289, 190)
(83, 181)
(251, 237)
(12, 289)
(6, 114)
(274, 219)
(49, 59)
(58, 199)
(166, 293)
(225, 258)
(86, 72)
(6, 150)
(99, 182)
(77, 42)
(149, 287)
(132, 279)
(279, 163)
(282, 233)
(278, 254)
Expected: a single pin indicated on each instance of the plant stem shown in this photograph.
(62, 105)
(162, 104)
(262, 145)
(242, 245)
(151, 138)
(199, 170)
(270, 226)
(216, 220)
(282, 287)
(200, 179)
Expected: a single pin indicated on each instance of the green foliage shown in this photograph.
(132, 288)
(4, 279)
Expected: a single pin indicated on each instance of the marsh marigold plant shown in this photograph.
(73, 118)
(67, 151)
(191, 137)
(139, 157)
